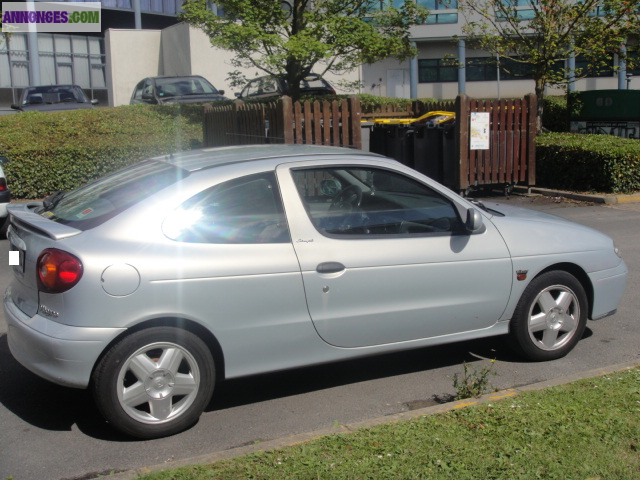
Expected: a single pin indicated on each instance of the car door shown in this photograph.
(385, 257)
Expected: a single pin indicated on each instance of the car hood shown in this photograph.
(529, 232)
(50, 107)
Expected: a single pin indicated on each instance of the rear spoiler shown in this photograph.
(23, 214)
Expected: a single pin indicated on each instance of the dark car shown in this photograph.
(186, 89)
(272, 86)
(46, 98)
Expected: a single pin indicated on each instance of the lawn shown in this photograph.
(585, 430)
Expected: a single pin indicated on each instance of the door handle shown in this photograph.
(330, 267)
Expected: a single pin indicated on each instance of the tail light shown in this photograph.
(3, 184)
(58, 271)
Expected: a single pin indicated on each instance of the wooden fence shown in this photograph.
(509, 160)
(334, 123)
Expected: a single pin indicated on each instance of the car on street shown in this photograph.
(167, 90)
(5, 198)
(46, 98)
(152, 284)
(276, 86)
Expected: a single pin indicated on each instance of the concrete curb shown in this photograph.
(304, 437)
(583, 197)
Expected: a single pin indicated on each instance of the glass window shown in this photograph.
(437, 70)
(243, 210)
(512, 69)
(584, 67)
(363, 201)
(95, 203)
(481, 69)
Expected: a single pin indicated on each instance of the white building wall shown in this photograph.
(131, 55)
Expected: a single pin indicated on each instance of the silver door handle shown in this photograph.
(330, 267)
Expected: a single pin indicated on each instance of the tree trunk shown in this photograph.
(540, 108)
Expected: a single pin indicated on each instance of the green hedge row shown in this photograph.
(598, 163)
(63, 150)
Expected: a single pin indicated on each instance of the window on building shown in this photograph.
(513, 69)
(441, 11)
(434, 70)
(582, 65)
(481, 69)
(522, 8)
(64, 59)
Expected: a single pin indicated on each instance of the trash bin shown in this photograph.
(427, 150)
(395, 141)
(434, 148)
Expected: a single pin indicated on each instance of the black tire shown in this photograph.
(154, 382)
(5, 226)
(550, 317)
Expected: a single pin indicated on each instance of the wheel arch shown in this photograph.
(181, 323)
(580, 275)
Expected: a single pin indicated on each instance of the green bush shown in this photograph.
(598, 163)
(63, 150)
(555, 117)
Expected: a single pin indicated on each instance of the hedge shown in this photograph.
(63, 150)
(596, 163)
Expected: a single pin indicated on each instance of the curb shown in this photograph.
(607, 199)
(350, 427)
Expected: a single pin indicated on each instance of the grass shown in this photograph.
(586, 430)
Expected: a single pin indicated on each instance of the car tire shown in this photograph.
(155, 382)
(550, 317)
(5, 227)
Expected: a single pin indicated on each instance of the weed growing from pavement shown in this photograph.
(473, 382)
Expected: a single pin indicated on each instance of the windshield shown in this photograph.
(53, 94)
(97, 202)
(181, 86)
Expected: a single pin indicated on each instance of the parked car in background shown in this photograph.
(186, 89)
(5, 198)
(47, 98)
(272, 86)
(151, 284)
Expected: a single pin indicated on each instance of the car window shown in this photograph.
(244, 210)
(95, 203)
(182, 86)
(252, 89)
(360, 201)
(137, 94)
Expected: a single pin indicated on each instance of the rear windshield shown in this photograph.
(97, 202)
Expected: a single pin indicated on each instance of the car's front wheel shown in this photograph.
(550, 317)
(154, 382)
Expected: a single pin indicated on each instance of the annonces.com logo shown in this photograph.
(51, 17)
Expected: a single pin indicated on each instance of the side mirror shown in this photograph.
(221, 92)
(474, 221)
(238, 94)
(95, 101)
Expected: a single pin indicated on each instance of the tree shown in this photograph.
(544, 34)
(294, 37)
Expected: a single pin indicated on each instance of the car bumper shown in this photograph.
(59, 353)
(608, 288)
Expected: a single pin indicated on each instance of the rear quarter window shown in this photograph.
(97, 202)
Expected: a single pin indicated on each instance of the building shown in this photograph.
(134, 44)
(436, 74)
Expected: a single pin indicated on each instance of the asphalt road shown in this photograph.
(51, 432)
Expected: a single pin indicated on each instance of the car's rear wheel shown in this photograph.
(154, 382)
(550, 317)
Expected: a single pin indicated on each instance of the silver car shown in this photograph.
(150, 285)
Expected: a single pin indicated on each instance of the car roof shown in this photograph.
(217, 156)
